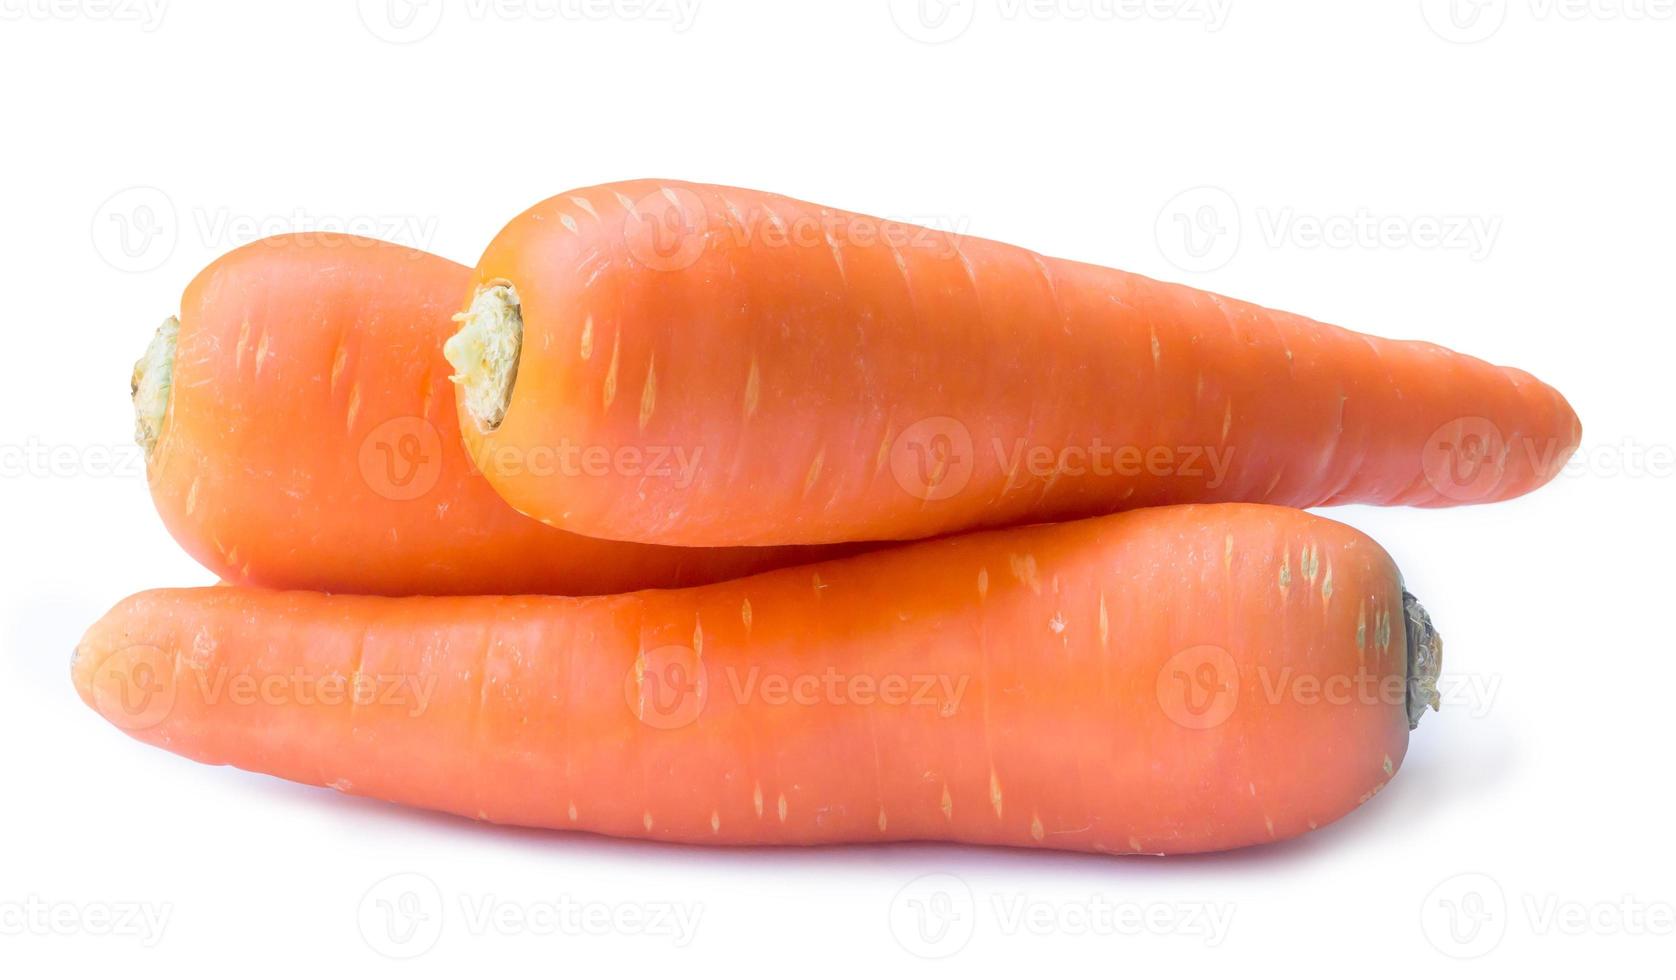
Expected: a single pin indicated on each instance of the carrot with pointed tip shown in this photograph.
(300, 433)
(1165, 681)
(840, 378)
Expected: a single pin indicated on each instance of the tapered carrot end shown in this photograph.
(81, 672)
(484, 353)
(1425, 659)
(1499, 455)
(131, 683)
(1574, 441)
(1552, 441)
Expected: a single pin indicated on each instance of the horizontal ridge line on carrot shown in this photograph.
(1168, 680)
(846, 386)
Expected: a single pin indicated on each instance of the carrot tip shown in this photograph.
(150, 384)
(484, 353)
(1425, 660)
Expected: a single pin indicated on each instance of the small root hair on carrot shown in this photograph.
(484, 352)
(152, 380)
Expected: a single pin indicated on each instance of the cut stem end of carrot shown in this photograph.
(151, 382)
(484, 353)
(1425, 660)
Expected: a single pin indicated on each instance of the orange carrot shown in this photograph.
(301, 433)
(840, 377)
(1169, 680)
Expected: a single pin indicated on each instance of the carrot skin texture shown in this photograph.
(1050, 696)
(311, 440)
(846, 378)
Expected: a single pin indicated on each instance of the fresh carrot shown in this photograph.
(1169, 680)
(300, 433)
(840, 377)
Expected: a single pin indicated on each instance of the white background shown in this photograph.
(1520, 186)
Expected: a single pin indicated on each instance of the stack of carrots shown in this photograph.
(707, 515)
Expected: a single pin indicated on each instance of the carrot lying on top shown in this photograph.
(1165, 681)
(842, 378)
(300, 433)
